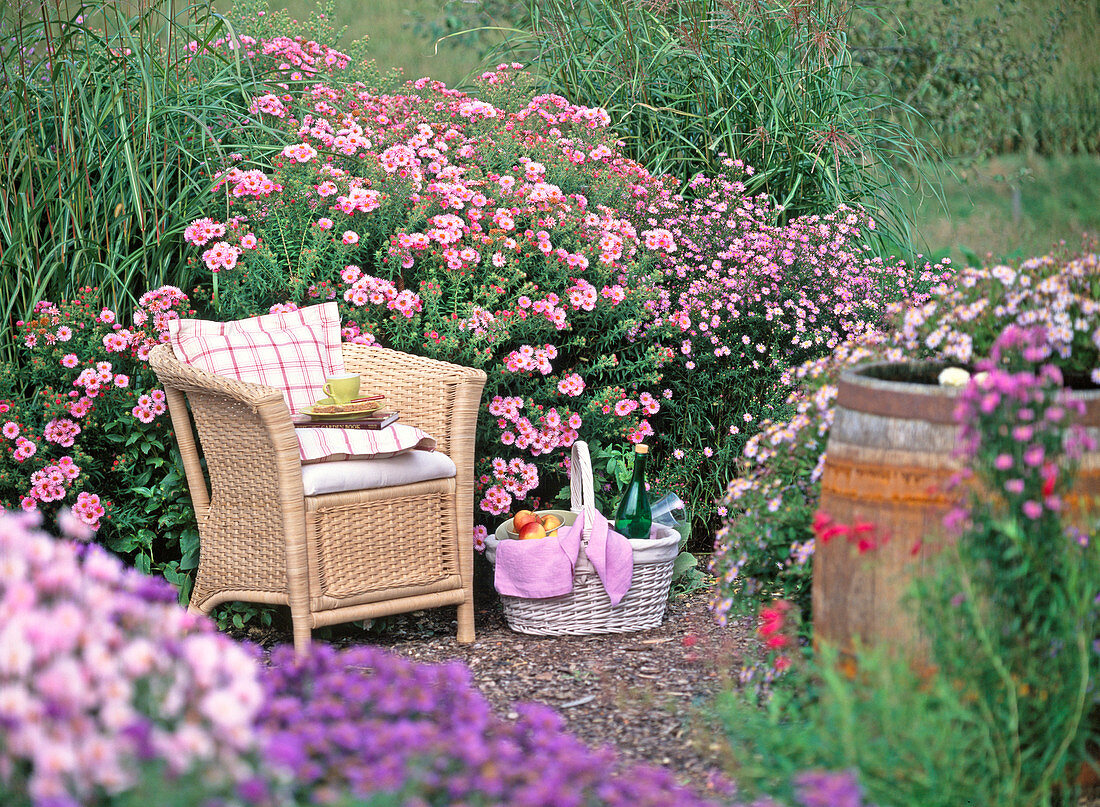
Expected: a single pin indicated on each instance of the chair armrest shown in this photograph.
(441, 398)
(240, 425)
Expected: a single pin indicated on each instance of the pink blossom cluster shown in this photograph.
(367, 289)
(89, 509)
(296, 58)
(252, 183)
(50, 483)
(506, 479)
(546, 307)
(61, 431)
(531, 359)
(969, 311)
(157, 308)
(23, 448)
(101, 673)
(203, 230)
(571, 385)
(552, 429)
(149, 406)
(34, 436)
(802, 288)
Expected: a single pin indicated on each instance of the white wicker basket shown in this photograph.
(587, 609)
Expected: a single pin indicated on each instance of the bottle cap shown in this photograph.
(641, 448)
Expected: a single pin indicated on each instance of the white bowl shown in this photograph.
(567, 517)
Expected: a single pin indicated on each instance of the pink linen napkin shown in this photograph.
(611, 555)
(544, 568)
(536, 569)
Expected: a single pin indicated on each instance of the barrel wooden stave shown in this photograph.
(890, 459)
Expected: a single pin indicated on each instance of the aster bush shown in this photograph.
(85, 428)
(364, 722)
(764, 548)
(510, 233)
(749, 299)
(443, 225)
(104, 678)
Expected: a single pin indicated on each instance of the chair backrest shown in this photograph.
(412, 385)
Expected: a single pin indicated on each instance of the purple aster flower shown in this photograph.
(828, 789)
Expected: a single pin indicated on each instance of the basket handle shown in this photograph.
(582, 496)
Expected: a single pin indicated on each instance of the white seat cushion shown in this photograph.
(403, 469)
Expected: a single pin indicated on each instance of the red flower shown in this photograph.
(821, 521)
(776, 642)
(1050, 476)
(829, 533)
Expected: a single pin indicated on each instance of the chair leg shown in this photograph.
(303, 634)
(466, 620)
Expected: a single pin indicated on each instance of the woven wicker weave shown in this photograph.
(336, 557)
(587, 609)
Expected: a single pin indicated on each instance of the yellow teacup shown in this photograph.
(342, 388)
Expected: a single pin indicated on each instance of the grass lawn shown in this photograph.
(1011, 206)
(393, 43)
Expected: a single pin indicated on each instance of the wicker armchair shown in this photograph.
(334, 557)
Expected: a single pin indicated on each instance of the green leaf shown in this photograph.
(190, 548)
(143, 563)
(684, 561)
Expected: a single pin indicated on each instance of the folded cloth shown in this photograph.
(540, 568)
(544, 568)
(612, 556)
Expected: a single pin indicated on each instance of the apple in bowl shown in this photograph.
(528, 525)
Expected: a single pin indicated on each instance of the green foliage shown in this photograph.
(986, 76)
(153, 522)
(770, 83)
(913, 742)
(462, 23)
(108, 121)
(999, 711)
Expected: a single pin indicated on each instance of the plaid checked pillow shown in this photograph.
(293, 351)
(332, 445)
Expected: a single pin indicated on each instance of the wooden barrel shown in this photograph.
(888, 461)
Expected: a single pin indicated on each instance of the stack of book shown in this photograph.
(379, 419)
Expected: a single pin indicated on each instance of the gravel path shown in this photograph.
(645, 694)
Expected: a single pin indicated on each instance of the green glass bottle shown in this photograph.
(634, 518)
